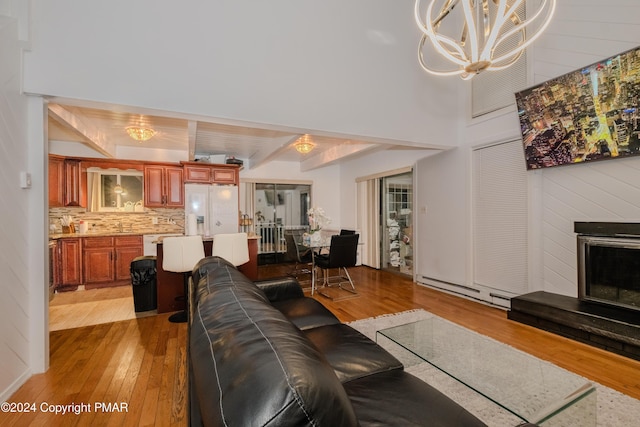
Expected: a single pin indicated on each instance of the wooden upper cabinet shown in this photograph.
(174, 187)
(225, 175)
(67, 183)
(56, 181)
(153, 186)
(203, 173)
(72, 182)
(163, 186)
(197, 174)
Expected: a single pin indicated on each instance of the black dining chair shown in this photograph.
(297, 253)
(342, 254)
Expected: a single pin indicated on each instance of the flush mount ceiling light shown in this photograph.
(118, 189)
(304, 144)
(485, 34)
(140, 133)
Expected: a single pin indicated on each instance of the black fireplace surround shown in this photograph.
(609, 264)
(606, 313)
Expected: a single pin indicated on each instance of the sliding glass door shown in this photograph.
(279, 207)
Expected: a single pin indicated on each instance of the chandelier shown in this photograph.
(485, 35)
(140, 133)
(304, 144)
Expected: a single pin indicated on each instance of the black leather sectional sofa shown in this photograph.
(263, 354)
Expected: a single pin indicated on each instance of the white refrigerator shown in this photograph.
(210, 209)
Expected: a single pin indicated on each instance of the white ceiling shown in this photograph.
(102, 127)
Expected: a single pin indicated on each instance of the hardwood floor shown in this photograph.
(92, 307)
(141, 362)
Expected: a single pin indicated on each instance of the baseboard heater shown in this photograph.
(506, 298)
(467, 288)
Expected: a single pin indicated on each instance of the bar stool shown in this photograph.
(233, 247)
(181, 254)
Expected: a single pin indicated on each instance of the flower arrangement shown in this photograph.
(317, 219)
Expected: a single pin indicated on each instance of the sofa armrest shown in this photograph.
(280, 288)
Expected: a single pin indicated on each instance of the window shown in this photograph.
(113, 190)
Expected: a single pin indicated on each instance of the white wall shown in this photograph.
(22, 313)
(581, 33)
(346, 68)
(375, 163)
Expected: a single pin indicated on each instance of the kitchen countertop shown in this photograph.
(210, 238)
(55, 236)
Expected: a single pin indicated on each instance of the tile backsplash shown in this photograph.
(168, 220)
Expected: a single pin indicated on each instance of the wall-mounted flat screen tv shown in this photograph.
(586, 115)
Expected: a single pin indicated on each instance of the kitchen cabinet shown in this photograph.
(70, 262)
(54, 264)
(163, 186)
(126, 249)
(66, 186)
(72, 183)
(56, 181)
(107, 260)
(202, 173)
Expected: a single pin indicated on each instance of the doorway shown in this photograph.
(278, 207)
(396, 222)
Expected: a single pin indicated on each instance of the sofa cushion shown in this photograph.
(351, 354)
(252, 366)
(396, 398)
(306, 313)
(280, 288)
(221, 274)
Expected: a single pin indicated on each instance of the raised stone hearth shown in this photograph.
(610, 328)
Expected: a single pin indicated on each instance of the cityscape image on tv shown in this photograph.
(588, 114)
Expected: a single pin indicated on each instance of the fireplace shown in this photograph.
(605, 314)
(609, 263)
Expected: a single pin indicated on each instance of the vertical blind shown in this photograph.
(500, 217)
(368, 220)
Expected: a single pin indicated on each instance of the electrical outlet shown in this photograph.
(154, 220)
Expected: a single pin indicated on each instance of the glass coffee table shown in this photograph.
(532, 389)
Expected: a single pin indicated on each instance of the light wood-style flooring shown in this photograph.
(142, 361)
(70, 310)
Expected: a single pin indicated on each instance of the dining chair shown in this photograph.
(344, 232)
(342, 254)
(297, 253)
(180, 255)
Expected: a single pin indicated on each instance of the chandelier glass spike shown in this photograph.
(478, 35)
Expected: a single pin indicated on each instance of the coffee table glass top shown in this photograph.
(534, 390)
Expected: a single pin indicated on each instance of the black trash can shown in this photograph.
(143, 282)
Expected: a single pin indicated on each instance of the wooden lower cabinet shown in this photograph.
(69, 260)
(106, 260)
(124, 255)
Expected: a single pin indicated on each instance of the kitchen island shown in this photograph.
(171, 285)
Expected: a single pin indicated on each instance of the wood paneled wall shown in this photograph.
(15, 332)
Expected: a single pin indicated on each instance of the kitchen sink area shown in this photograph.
(98, 254)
